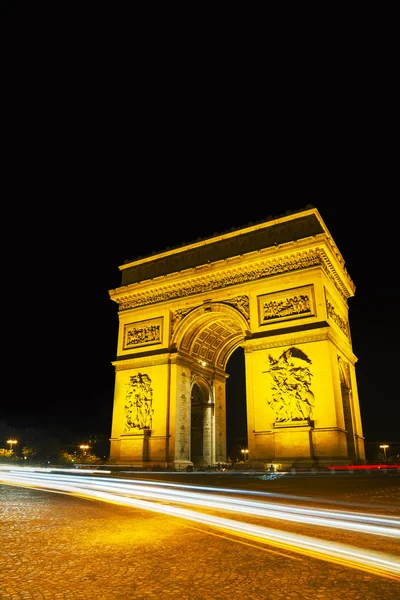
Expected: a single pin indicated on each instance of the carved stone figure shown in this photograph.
(139, 397)
(292, 398)
(283, 308)
(143, 335)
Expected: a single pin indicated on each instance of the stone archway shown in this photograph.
(280, 290)
(204, 337)
(202, 443)
(349, 414)
(197, 414)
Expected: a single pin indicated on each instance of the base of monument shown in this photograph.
(183, 465)
(295, 436)
(298, 423)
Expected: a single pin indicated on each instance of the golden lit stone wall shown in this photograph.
(141, 390)
(291, 396)
(293, 375)
(285, 303)
(220, 420)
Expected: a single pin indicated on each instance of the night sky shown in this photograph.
(66, 325)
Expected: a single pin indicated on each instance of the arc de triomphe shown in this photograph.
(280, 290)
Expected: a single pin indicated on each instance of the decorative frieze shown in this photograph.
(245, 274)
(333, 315)
(143, 333)
(286, 304)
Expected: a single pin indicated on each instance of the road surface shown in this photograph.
(65, 544)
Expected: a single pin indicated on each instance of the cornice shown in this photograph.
(230, 273)
(143, 361)
(325, 334)
(285, 340)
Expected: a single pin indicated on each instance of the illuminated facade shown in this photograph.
(280, 290)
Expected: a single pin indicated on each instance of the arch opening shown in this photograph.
(206, 340)
(236, 413)
(197, 426)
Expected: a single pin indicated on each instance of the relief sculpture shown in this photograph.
(142, 335)
(139, 401)
(289, 306)
(292, 398)
(341, 323)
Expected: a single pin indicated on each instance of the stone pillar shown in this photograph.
(359, 441)
(208, 446)
(134, 449)
(220, 421)
(293, 442)
(182, 439)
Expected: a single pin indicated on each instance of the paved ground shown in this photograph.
(57, 547)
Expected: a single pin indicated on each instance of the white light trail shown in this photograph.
(350, 521)
(121, 492)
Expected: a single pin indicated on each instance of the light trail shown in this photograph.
(350, 521)
(219, 489)
(121, 492)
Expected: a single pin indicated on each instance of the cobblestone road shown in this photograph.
(58, 547)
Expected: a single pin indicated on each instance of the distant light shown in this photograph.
(203, 363)
(384, 448)
(245, 453)
(11, 442)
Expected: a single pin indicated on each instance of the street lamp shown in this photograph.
(384, 448)
(12, 442)
(245, 453)
(83, 447)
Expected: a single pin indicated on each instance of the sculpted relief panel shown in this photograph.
(143, 333)
(286, 304)
(139, 400)
(291, 397)
(334, 315)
